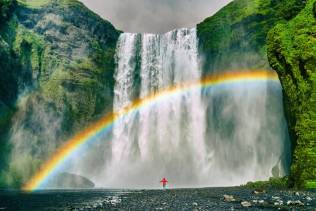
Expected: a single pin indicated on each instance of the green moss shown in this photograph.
(29, 47)
(5, 117)
(234, 38)
(273, 183)
(292, 53)
(310, 184)
(34, 3)
(6, 8)
(14, 177)
(290, 8)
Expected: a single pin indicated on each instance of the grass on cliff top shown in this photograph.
(41, 3)
(34, 3)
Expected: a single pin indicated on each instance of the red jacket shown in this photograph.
(164, 181)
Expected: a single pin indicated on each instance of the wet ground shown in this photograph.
(236, 198)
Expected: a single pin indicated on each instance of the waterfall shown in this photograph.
(216, 138)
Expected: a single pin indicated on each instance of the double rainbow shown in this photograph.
(104, 125)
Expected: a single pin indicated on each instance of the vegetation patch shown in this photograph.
(292, 53)
(272, 183)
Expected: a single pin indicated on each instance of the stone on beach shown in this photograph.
(229, 198)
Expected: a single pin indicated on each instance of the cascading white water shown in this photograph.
(219, 138)
(146, 147)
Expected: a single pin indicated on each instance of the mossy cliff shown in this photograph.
(59, 58)
(235, 37)
(292, 53)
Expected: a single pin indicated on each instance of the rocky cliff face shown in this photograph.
(292, 53)
(235, 37)
(59, 58)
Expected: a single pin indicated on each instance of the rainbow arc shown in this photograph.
(100, 127)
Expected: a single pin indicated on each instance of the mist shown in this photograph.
(155, 16)
(34, 136)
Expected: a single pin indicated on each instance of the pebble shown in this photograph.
(295, 203)
(229, 198)
(309, 198)
(259, 191)
(275, 198)
(279, 203)
(245, 204)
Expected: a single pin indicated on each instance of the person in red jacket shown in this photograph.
(164, 182)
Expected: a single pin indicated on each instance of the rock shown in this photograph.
(297, 194)
(256, 201)
(195, 204)
(278, 203)
(245, 204)
(276, 199)
(229, 198)
(309, 198)
(69, 181)
(259, 191)
(295, 203)
(261, 201)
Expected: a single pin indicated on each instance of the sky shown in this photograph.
(155, 16)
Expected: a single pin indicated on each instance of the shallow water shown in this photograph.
(180, 199)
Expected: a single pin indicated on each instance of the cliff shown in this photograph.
(292, 53)
(235, 37)
(57, 59)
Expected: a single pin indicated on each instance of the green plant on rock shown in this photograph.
(272, 183)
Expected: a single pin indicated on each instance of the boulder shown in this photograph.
(245, 204)
(229, 198)
(69, 181)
